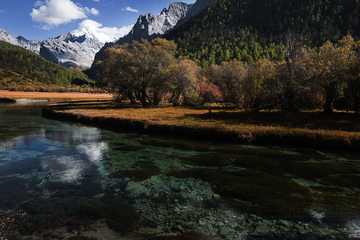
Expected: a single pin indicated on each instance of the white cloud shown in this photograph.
(56, 12)
(96, 0)
(129, 9)
(38, 3)
(2, 11)
(104, 34)
(92, 11)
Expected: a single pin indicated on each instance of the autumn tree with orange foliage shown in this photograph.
(308, 78)
(260, 86)
(183, 82)
(330, 68)
(139, 70)
(229, 77)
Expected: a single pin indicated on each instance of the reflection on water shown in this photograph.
(59, 180)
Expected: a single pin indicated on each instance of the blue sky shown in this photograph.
(41, 19)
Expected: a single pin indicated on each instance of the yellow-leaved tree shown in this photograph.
(229, 77)
(183, 82)
(259, 87)
(138, 71)
(330, 68)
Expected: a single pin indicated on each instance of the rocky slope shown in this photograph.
(68, 50)
(150, 26)
(33, 46)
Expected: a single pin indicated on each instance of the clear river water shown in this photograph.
(64, 180)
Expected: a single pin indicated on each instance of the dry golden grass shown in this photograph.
(311, 120)
(337, 129)
(53, 95)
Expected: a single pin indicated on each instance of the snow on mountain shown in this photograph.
(33, 46)
(72, 50)
(93, 33)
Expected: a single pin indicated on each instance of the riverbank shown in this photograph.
(339, 131)
(20, 96)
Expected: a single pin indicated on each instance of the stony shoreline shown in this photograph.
(22, 100)
(220, 222)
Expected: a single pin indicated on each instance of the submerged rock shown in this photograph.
(261, 230)
(225, 231)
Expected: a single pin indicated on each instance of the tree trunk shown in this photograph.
(287, 101)
(156, 99)
(143, 99)
(328, 105)
(356, 104)
(130, 96)
(330, 96)
(175, 99)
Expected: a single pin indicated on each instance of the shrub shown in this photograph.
(210, 92)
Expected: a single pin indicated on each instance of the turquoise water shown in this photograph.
(62, 180)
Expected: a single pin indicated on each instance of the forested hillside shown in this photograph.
(249, 30)
(27, 63)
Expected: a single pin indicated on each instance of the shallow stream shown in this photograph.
(62, 180)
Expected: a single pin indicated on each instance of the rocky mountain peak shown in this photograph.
(68, 50)
(90, 33)
(33, 46)
(71, 50)
(21, 38)
(150, 26)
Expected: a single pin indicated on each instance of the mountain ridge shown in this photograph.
(150, 26)
(70, 50)
(34, 67)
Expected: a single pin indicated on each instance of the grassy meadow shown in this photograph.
(308, 128)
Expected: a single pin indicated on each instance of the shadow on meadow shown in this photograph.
(309, 120)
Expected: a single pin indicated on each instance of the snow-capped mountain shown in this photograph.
(92, 33)
(33, 46)
(72, 50)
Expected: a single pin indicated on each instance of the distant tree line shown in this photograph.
(308, 78)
